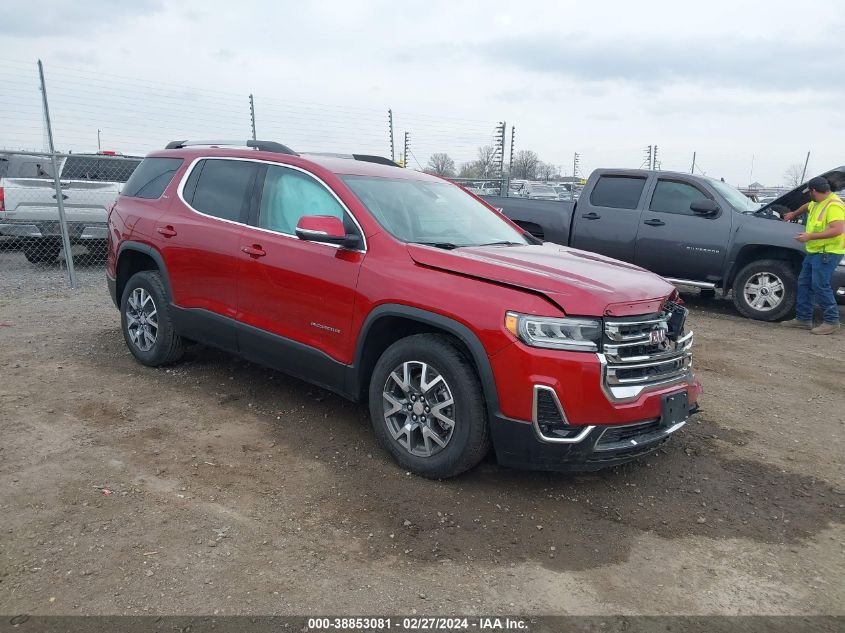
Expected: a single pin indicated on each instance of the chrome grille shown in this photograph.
(642, 352)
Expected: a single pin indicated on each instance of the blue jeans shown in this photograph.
(814, 287)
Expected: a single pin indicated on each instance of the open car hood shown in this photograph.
(581, 283)
(795, 198)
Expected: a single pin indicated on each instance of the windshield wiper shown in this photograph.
(445, 245)
(505, 243)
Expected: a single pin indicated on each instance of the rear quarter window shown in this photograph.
(151, 178)
(618, 192)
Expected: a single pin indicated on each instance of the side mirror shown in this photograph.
(322, 228)
(705, 207)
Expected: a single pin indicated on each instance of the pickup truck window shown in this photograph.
(618, 192)
(432, 213)
(98, 168)
(674, 197)
(222, 187)
(151, 178)
(736, 198)
(288, 195)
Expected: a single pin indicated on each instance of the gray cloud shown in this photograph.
(767, 64)
(50, 18)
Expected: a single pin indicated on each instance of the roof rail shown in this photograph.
(380, 160)
(262, 146)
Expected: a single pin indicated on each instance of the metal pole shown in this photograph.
(506, 184)
(252, 114)
(692, 169)
(407, 149)
(99, 147)
(654, 164)
(59, 195)
(390, 124)
(806, 162)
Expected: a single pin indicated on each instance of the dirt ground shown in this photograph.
(220, 487)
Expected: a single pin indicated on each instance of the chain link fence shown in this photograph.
(54, 207)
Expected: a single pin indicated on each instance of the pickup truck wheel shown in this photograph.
(146, 321)
(41, 252)
(766, 290)
(427, 407)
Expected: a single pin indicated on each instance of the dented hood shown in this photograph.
(579, 282)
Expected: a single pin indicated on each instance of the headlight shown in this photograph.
(576, 334)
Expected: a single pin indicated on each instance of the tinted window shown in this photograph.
(4, 167)
(222, 187)
(620, 192)
(674, 197)
(288, 195)
(98, 168)
(151, 178)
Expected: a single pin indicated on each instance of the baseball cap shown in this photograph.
(819, 183)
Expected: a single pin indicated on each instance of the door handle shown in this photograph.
(592, 215)
(167, 231)
(655, 222)
(254, 251)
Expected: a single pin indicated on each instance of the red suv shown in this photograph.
(401, 289)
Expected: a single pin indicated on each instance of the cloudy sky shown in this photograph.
(749, 86)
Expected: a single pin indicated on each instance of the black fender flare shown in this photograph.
(146, 249)
(453, 327)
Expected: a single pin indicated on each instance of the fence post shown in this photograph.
(252, 114)
(59, 194)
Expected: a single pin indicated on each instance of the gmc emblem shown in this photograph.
(657, 336)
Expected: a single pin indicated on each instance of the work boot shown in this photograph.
(798, 324)
(826, 328)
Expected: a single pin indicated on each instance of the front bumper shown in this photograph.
(77, 231)
(518, 445)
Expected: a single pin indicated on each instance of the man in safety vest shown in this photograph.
(824, 240)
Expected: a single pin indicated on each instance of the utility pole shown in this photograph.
(99, 147)
(806, 162)
(576, 164)
(390, 125)
(252, 114)
(649, 157)
(692, 169)
(654, 163)
(407, 150)
(500, 149)
(59, 194)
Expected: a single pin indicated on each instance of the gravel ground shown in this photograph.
(220, 487)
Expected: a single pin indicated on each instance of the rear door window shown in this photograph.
(618, 192)
(4, 167)
(674, 197)
(151, 178)
(222, 188)
(99, 168)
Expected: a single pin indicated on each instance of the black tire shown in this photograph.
(470, 439)
(168, 346)
(777, 267)
(41, 252)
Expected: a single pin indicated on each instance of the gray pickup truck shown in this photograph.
(692, 230)
(29, 211)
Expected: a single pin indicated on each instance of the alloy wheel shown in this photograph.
(764, 291)
(142, 319)
(419, 409)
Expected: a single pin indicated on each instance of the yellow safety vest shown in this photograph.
(819, 217)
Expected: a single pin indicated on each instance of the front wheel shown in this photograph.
(766, 290)
(427, 407)
(41, 252)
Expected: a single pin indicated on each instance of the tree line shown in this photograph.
(526, 165)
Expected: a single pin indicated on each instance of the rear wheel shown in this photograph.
(146, 322)
(766, 290)
(427, 407)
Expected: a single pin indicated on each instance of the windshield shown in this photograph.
(431, 213)
(736, 198)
